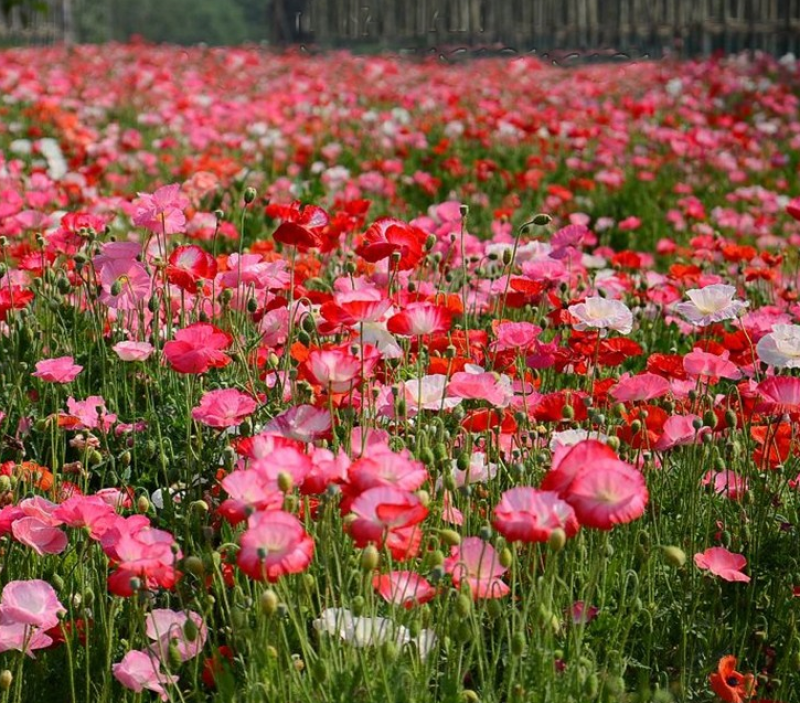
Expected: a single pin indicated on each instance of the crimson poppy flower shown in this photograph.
(188, 265)
(301, 227)
(730, 685)
(386, 236)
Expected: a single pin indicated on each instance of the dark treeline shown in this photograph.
(652, 27)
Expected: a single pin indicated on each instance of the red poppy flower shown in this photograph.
(730, 685)
(188, 265)
(301, 227)
(386, 236)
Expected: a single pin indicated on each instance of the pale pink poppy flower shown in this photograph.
(162, 211)
(450, 513)
(706, 365)
(428, 393)
(133, 351)
(274, 327)
(475, 563)
(603, 314)
(526, 514)
(642, 387)
(32, 602)
(226, 407)
(18, 636)
(420, 319)
(720, 562)
(142, 670)
(304, 423)
(274, 544)
(39, 536)
(60, 370)
(405, 588)
(713, 303)
(781, 347)
(166, 627)
(337, 370)
(727, 483)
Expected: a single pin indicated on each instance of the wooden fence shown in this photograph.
(587, 27)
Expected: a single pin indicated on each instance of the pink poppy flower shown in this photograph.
(607, 495)
(420, 319)
(142, 670)
(602, 314)
(727, 483)
(709, 366)
(304, 423)
(20, 637)
(198, 348)
(91, 512)
(380, 466)
(405, 588)
(125, 283)
(569, 460)
(60, 370)
(642, 387)
(713, 303)
(337, 370)
(39, 536)
(428, 393)
(526, 514)
(274, 544)
(475, 563)
(327, 469)
(32, 602)
(133, 351)
(226, 407)
(679, 430)
(519, 336)
(388, 517)
(89, 414)
(167, 628)
(162, 211)
(780, 395)
(480, 385)
(720, 562)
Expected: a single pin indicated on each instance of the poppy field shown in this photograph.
(357, 378)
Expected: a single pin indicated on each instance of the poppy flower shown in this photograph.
(529, 515)
(730, 685)
(226, 407)
(162, 211)
(720, 562)
(60, 370)
(274, 544)
(198, 348)
(301, 227)
(713, 303)
(603, 314)
(781, 347)
(475, 563)
(188, 265)
(387, 236)
(404, 588)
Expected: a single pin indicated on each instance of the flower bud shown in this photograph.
(506, 558)
(568, 412)
(674, 556)
(518, 644)
(370, 558)
(541, 219)
(6, 679)
(463, 605)
(190, 630)
(557, 539)
(268, 602)
(249, 195)
(285, 481)
(142, 504)
(194, 565)
(450, 537)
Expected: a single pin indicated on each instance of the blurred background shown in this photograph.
(596, 28)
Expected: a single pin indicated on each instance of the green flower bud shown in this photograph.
(370, 558)
(557, 540)
(269, 602)
(674, 556)
(249, 195)
(463, 605)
